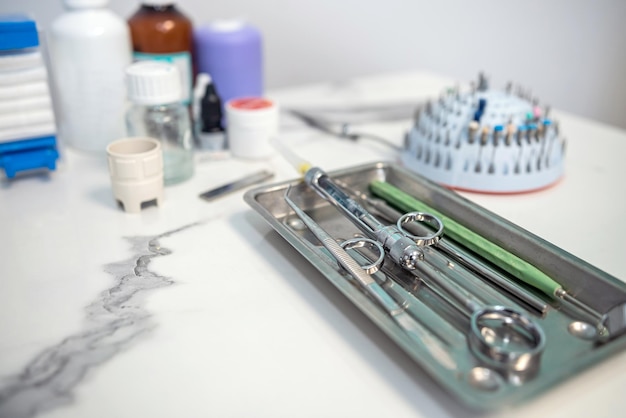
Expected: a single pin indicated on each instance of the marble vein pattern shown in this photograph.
(113, 321)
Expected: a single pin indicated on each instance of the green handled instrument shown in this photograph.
(512, 264)
(502, 258)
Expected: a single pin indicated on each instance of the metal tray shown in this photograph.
(567, 350)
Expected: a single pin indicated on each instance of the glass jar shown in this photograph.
(154, 88)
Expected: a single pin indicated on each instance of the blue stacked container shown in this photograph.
(27, 124)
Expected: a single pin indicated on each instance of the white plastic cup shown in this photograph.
(136, 168)
(252, 123)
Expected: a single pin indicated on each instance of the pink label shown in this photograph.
(251, 103)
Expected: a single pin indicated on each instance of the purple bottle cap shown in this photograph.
(230, 51)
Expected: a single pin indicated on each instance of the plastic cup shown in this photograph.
(136, 168)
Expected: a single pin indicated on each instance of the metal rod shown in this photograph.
(402, 290)
(236, 185)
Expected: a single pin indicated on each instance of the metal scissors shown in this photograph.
(498, 335)
(362, 274)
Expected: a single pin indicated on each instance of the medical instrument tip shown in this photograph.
(300, 164)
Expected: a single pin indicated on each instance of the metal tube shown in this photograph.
(400, 248)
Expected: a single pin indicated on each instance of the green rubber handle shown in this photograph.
(497, 255)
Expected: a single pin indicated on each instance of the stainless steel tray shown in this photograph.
(471, 381)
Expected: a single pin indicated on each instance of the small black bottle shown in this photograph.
(209, 128)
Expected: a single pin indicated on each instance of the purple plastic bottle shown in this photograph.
(231, 53)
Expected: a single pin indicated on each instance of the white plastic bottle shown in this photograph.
(89, 49)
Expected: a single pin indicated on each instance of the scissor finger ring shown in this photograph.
(432, 220)
(362, 242)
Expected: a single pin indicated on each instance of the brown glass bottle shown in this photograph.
(159, 31)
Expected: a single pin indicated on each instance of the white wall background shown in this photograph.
(571, 53)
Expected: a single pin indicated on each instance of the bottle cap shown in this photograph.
(80, 4)
(153, 83)
(252, 111)
(211, 110)
(227, 25)
(202, 79)
(17, 31)
(158, 2)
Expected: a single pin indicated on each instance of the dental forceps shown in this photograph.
(498, 335)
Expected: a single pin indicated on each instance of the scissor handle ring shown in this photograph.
(421, 217)
(517, 360)
(360, 243)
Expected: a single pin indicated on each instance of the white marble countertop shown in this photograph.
(199, 309)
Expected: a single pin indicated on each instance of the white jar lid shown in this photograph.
(158, 2)
(153, 83)
(227, 25)
(252, 111)
(85, 4)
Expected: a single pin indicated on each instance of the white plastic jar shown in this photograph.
(252, 123)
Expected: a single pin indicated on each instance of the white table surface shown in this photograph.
(234, 322)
